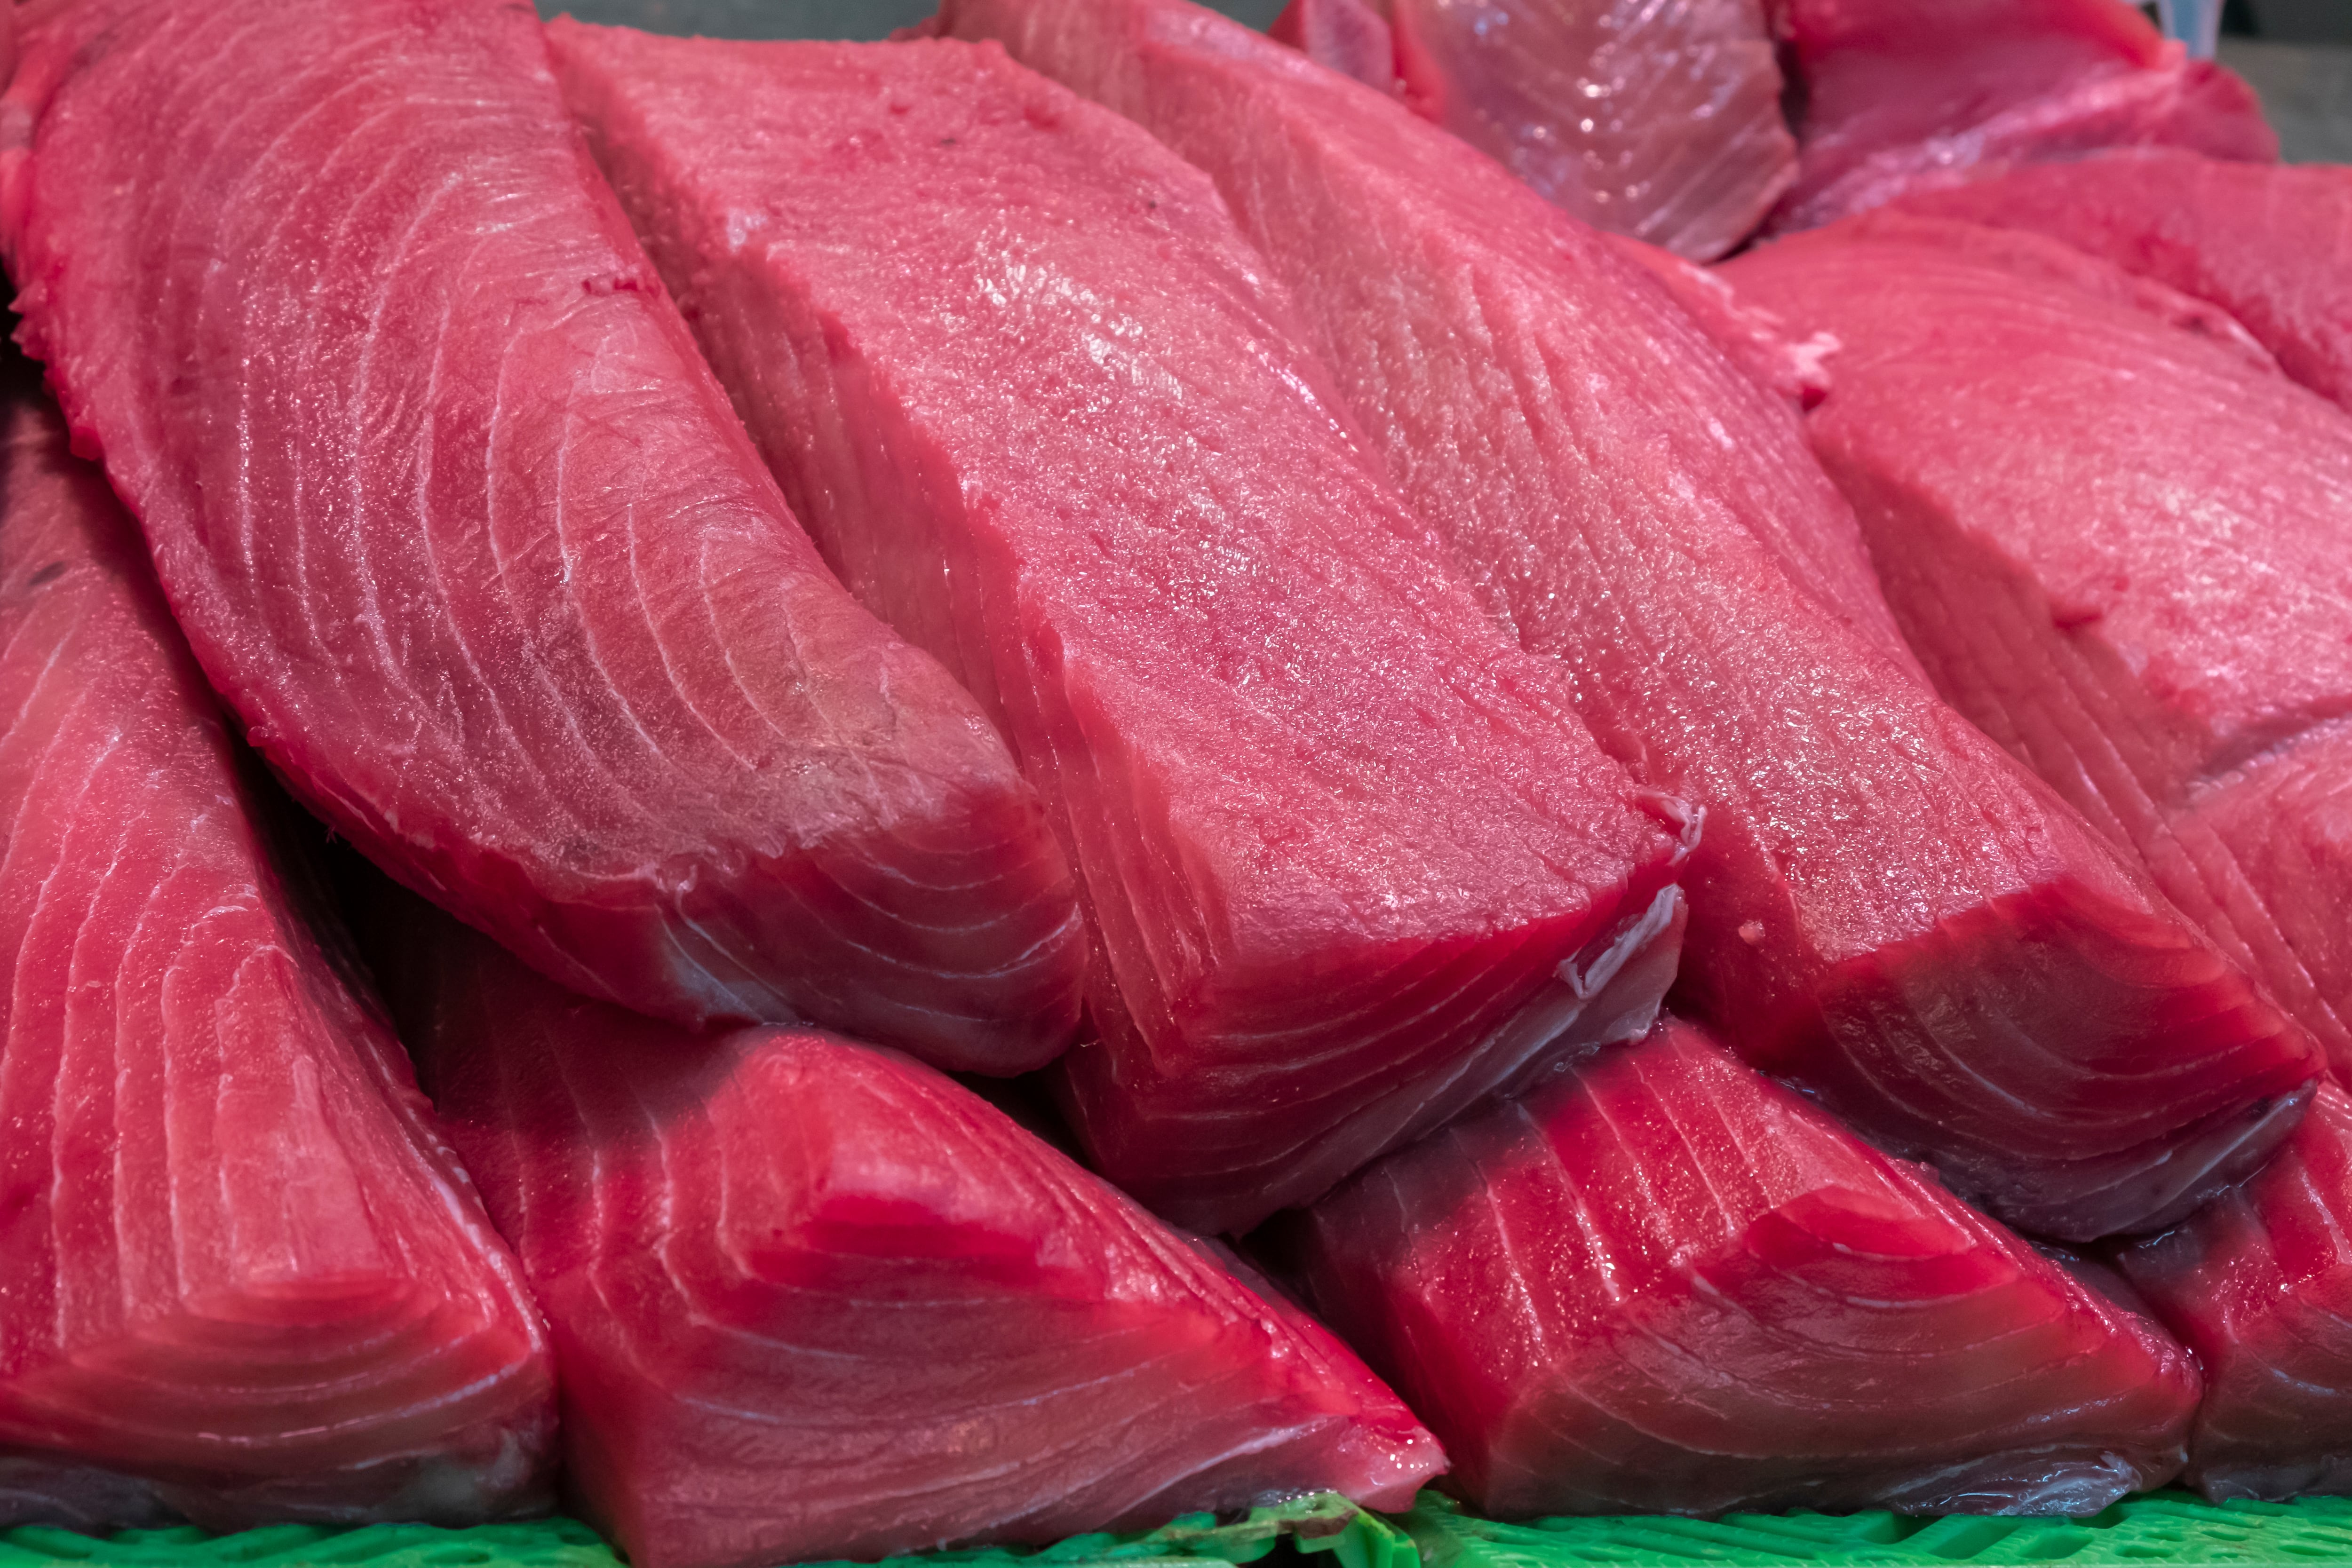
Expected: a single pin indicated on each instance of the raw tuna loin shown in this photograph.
(461, 526)
(1898, 95)
(244, 1279)
(1663, 1282)
(2119, 546)
(1883, 909)
(1353, 860)
(815, 1300)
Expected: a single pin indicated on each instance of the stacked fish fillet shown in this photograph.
(1103, 766)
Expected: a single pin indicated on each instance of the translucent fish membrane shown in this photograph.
(2159, 1528)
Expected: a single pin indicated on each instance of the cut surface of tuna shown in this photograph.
(461, 526)
(2259, 1284)
(1883, 908)
(2118, 545)
(1898, 97)
(1353, 860)
(2266, 242)
(1664, 1283)
(813, 1300)
(244, 1280)
(1345, 36)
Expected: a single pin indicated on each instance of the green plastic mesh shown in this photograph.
(2168, 1529)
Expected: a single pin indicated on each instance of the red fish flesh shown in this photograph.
(463, 529)
(2119, 546)
(1345, 36)
(1663, 1282)
(1884, 908)
(1899, 96)
(813, 1300)
(1756, 341)
(2267, 242)
(2259, 1284)
(244, 1280)
(1280, 737)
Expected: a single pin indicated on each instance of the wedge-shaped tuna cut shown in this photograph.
(2265, 242)
(2259, 1284)
(1353, 861)
(1664, 1283)
(462, 528)
(813, 1300)
(2119, 546)
(1898, 95)
(244, 1280)
(1884, 908)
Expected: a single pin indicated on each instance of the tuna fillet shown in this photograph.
(1898, 95)
(2260, 1286)
(1884, 908)
(815, 1300)
(1345, 36)
(462, 528)
(1352, 858)
(1663, 1282)
(244, 1280)
(2119, 546)
(2267, 242)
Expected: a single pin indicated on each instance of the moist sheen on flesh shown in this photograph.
(2115, 534)
(2267, 242)
(245, 1281)
(461, 526)
(1884, 908)
(2259, 1284)
(1898, 95)
(1663, 1283)
(1352, 858)
(813, 1300)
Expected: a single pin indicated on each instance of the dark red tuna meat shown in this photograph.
(1663, 1283)
(2259, 1284)
(244, 1280)
(2271, 243)
(813, 1300)
(1884, 908)
(462, 528)
(2115, 534)
(1898, 95)
(1353, 860)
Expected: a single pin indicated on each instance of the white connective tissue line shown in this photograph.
(2197, 23)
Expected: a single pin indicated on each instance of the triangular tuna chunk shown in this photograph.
(813, 1300)
(1663, 1282)
(461, 527)
(1885, 909)
(244, 1280)
(1353, 860)
(2271, 243)
(2259, 1284)
(1898, 95)
(2115, 534)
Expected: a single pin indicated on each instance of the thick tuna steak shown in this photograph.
(2267, 242)
(1666, 1283)
(1898, 95)
(1884, 908)
(815, 1300)
(461, 526)
(2119, 546)
(245, 1281)
(2260, 1286)
(990, 338)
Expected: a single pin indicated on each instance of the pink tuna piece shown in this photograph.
(1900, 97)
(1663, 1283)
(1884, 908)
(1279, 735)
(1345, 36)
(2260, 1285)
(245, 1281)
(813, 1300)
(461, 526)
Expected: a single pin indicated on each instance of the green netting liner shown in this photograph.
(2165, 1528)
